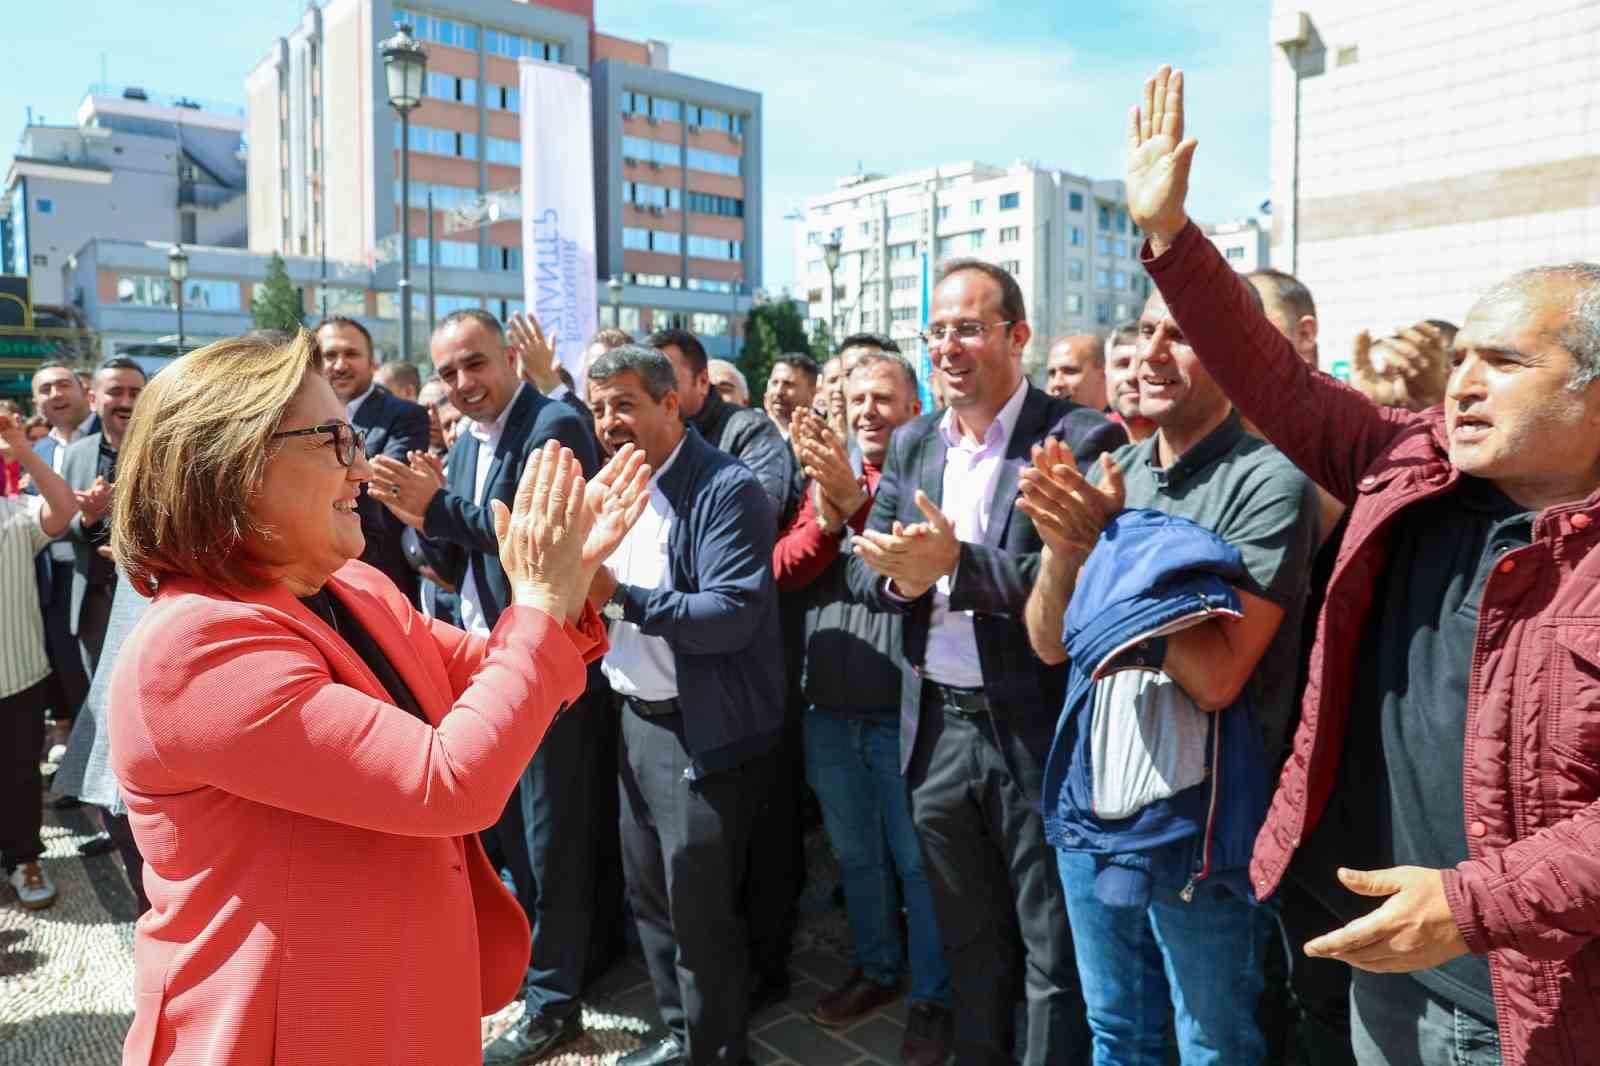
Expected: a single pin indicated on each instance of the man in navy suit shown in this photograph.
(977, 709)
(394, 427)
(59, 395)
(547, 834)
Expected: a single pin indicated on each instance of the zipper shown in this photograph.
(1187, 892)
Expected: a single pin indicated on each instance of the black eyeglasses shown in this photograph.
(348, 441)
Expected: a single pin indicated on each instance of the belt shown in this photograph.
(966, 702)
(653, 708)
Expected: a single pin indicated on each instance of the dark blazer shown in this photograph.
(394, 427)
(994, 578)
(78, 469)
(720, 613)
(751, 437)
(460, 527)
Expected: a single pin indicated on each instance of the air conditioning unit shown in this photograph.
(630, 161)
(655, 210)
(735, 136)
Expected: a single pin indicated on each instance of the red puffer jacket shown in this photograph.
(1529, 894)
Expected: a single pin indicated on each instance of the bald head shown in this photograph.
(1288, 306)
(1076, 370)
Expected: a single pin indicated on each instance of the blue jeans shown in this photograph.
(853, 765)
(1205, 957)
(1395, 1021)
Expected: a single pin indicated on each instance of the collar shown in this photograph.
(491, 433)
(354, 405)
(1214, 446)
(75, 435)
(1003, 425)
(670, 460)
(710, 412)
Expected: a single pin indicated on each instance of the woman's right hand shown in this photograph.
(542, 535)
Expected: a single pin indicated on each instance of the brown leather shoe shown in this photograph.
(858, 996)
(930, 1036)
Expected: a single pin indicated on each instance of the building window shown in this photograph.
(709, 118)
(976, 207)
(449, 87)
(704, 203)
(457, 255)
(505, 259)
(943, 212)
(960, 243)
(666, 110)
(1075, 201)
(902, 314)
(908, 283)
(439, 31)
(714, 162)
(903, 223)
(1122, 248)
(1074, 269)
(708, 324)
(1102, 244)
(1105, 217)
(907, 250)
(333, 300)
(1011, 266)
(440, 141)
(710, 285)
(1102, 279)
(515, 46)
(445, 197)
(1075, 236)
(1102, 312)
(1010, 201)
(714, 248)
(1010, 234)
(503, 151)
(503, 98)
(44, 205)
(1119, 280)
(644, 150)
(199, 294)
(813, 266)
(1122, 220)
(1074, 303)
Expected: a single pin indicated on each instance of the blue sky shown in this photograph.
(889, 86)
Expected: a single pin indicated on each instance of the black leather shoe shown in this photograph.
(531, 1038)
(664, 1052)
(767, 991)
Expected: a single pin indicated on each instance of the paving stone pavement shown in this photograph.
(66, 976)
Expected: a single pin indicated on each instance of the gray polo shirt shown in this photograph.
(1245, 491)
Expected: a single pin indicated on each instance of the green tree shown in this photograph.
(774, 327)
(278, 304)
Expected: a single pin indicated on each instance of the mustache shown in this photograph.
(122, 411)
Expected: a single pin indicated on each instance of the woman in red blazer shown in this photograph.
(306, 759)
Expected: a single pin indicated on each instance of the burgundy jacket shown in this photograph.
(1529, 894)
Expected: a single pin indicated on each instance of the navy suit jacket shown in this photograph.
(720, 612)
(994, 578)
(460, 527)
(394, 427)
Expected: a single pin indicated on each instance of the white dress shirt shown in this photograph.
(62, 440)
(473, 618)
(354, 405)
(971, 471)
(639, 665)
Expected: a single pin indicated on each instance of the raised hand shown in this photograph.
(615, 498)
(1066, 509)
(838, 418)
(536, 356)
(95, 502)
(542, 535)
(1159, 159)
(427, 463)
(406, 489)
(825, 461)
(913, 557)
(13, 439)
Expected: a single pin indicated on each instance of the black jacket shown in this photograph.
(394, 427)
(751, 437)
(459, 527)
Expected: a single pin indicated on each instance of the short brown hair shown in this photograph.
(1012, 305)
(195, 455)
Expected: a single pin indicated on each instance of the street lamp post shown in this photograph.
(830, 257)
(405, 64)
(615, 286)
(178, 271)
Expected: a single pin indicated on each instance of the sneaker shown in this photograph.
(33, 886)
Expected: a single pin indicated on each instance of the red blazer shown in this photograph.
(318, 893)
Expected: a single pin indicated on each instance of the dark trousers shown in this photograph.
(21, 788)
(121, 834)
(684, 845)
(547, 841)
(996, 892)
(776, 869)
(68, 681)
(93, 617)
(608, 938)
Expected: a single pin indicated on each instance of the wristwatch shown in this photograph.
(611, 611)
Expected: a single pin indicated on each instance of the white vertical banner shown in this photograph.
(558, 238)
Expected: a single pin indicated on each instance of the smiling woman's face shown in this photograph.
(307, 498)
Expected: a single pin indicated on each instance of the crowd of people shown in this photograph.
(1193, 705)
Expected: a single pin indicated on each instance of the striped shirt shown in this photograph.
(22, 659)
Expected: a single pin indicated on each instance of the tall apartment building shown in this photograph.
(135, 166)
(1243, 243)
(1066, 238)
(677, 160)
(1421, 151)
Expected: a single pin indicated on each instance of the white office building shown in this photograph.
(1243, 243)
(1066, 238)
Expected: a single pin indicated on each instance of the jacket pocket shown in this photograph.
(1575, 677)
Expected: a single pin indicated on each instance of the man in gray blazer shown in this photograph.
(90, 467)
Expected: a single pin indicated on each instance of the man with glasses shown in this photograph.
(392, 427)
(977, 709)
(547, 833)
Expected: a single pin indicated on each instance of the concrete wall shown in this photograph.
(1442, 145)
